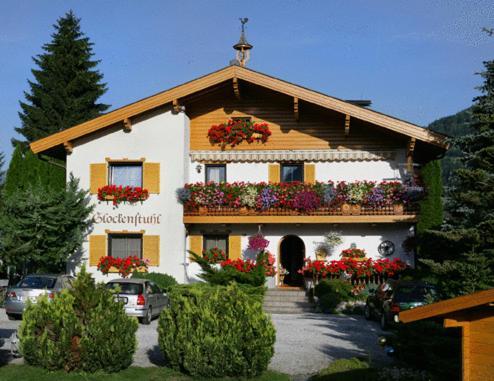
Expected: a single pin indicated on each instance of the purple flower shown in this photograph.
(306, 201)
(258, 243)
(267, 198)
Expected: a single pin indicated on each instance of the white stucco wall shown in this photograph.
(378, 170)
(365, 236)
(161, 138)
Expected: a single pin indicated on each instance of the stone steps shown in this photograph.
(282, 301)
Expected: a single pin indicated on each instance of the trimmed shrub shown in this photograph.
(164, 281)
(331, 292)
(215, 331)
(82, 328)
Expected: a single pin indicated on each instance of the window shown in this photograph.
(219, 241)
(125, 245)
(126, 174)
(216, 173)
(292, 172)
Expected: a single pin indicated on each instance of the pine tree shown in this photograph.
(27, 171)
(40, 230)
(461, 254)
(66, 87)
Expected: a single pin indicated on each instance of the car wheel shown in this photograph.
(149, 316)
(383, 322)
(367, 312)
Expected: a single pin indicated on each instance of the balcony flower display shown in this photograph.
(296, 196)
(234, 132)
(124, 266)
(214, 255)
(118, 194)
(306, 200)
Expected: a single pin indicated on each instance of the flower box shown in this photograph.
(398, 208)
(118, 194)
(346, 209)
(355, 209)
(234, 132)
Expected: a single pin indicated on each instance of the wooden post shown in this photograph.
(347, 125)
(127, 125)
(411, 148)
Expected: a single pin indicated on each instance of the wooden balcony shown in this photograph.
(284, 216)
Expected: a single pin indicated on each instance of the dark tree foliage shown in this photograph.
(27, 171)
(41, 229)
(431, 207)
(461, 254)
(455, 126)
(66, 86)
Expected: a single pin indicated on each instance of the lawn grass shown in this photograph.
(351, 369)
(28, 373)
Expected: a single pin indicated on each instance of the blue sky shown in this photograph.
(415, 60)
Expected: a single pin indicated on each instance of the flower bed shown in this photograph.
(234, 132)
(295, 197)
(353, 269)
(118, 194)
(124, 266)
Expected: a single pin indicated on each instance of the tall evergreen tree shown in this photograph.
(27, 171)
(41, 229)
(67, 84)
(461, 254)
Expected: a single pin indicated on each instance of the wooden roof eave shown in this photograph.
(248, 75)
(448, 306)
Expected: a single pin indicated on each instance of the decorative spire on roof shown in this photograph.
(242, 46)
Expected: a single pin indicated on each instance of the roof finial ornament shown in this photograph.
(242, 46)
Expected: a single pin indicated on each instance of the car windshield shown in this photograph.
(414, 293)
(33, 281)
(126, 288)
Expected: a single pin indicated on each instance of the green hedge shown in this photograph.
(215, 331)
(164, 281)
(82, 328)
(331, 292)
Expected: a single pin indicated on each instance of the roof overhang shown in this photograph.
(122, 114)
(445, 307)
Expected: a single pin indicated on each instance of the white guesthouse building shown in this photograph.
(161, 143)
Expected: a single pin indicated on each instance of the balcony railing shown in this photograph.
(362, 201)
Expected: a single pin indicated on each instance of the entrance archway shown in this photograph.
(292, 254)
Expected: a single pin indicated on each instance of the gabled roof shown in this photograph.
(448, 306)
(248, 75)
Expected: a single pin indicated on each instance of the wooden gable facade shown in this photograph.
(474, 315)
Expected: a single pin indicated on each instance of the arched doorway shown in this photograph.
(292, 254)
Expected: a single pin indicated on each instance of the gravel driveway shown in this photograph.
(305, 343)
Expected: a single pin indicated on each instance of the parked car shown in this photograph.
(391, 297)
(141, 297)
(30, 288)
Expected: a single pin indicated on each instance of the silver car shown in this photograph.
(141, 297)
(29, 288)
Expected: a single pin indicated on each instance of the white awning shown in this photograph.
(288, 155)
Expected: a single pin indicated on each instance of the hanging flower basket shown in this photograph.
(234, 132)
